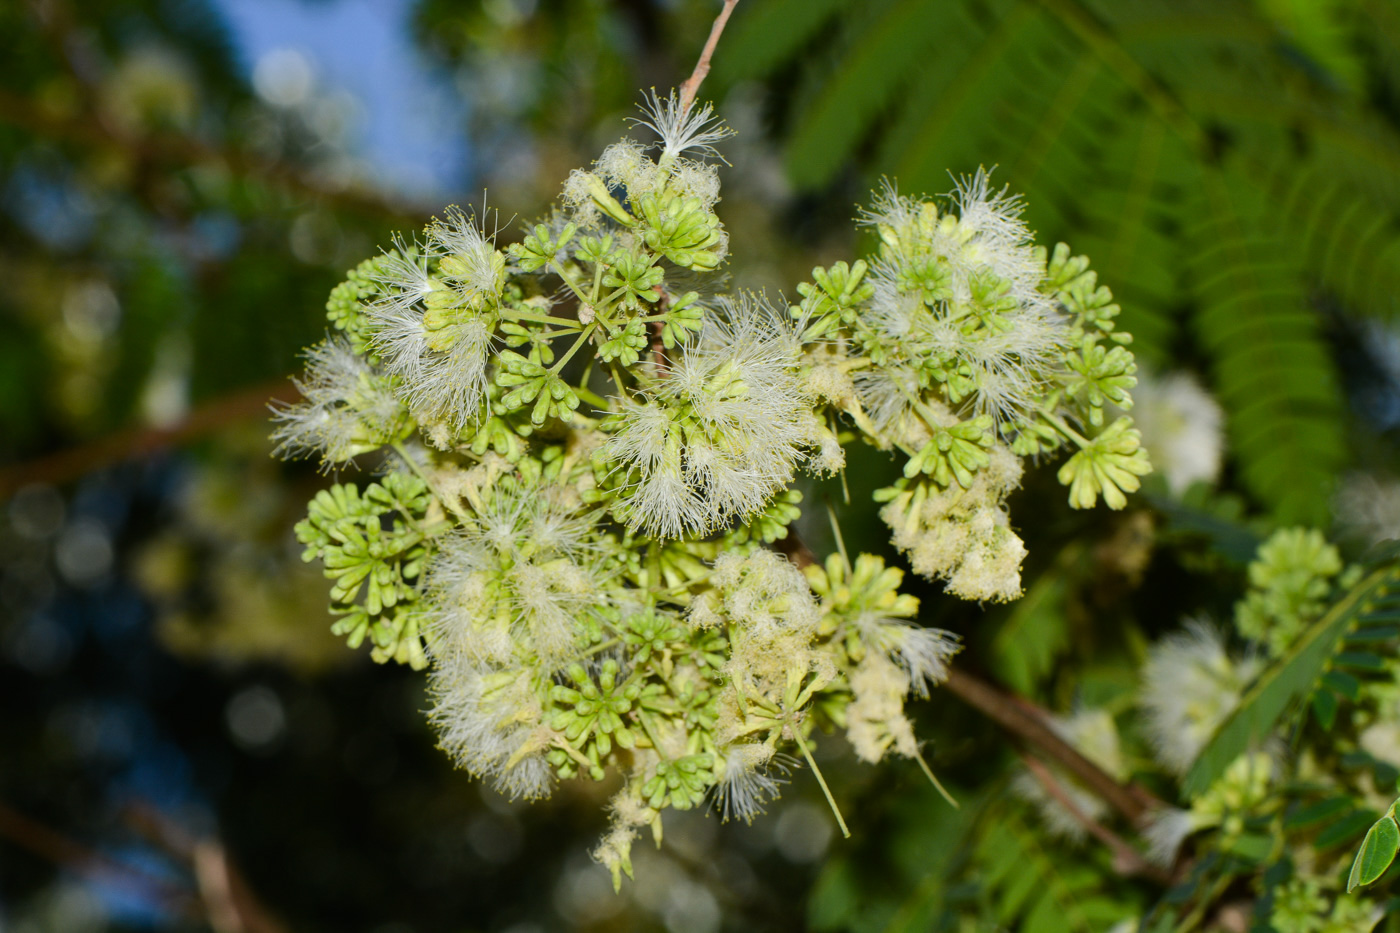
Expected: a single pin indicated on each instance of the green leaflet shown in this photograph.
(1376, 853)
(1273, 372)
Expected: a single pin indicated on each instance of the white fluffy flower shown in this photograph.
(1369, 506)
(993, 233)
(1189, 685)
(346, 408)
(963, 536)
(750, 776)
(489, 722)
(924, 654)
(514, 586)
(887, 393)
(626, 165)
(695, 127)
(875, 720)
(1181, 426)
(467, 258)
(439, 357)
(765, 594)
(773, 617)
(986, 255)
(1167, 830)
(723, 428)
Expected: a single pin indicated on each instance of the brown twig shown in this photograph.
(229, 903)
(796, 550)
(1126, 859)
(67, 465)
(702, 68)
(57, 848)
(1012, 714)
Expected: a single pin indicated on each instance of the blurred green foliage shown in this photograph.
(1231, 168)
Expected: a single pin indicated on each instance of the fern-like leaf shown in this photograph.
(1220, 164)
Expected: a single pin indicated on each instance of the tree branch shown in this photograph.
(67, 465)
(229, 903)
(57, 848)
(1010, 713)
(1126, 859)
(702, 68)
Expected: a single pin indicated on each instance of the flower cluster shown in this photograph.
(966, 348)
(1290, 581)
(590, 450)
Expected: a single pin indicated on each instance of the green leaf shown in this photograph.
(1342, 684)
(1291, 678)
(1230, 194)
(1360, 661)
(1376, 853)
(764, 35)
(888, 41)
(1274, 375)
(1344, 829)
(1371, 634)
(1317, 812)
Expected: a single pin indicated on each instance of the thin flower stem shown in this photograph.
(543, 318)
(446, 501)
(642, 718)
(840, 538)
(1059, 424)
(591, 397)
(402, 451)
(928, 415)
(797, 734)
(1198, 912)
(937, 784)
(654, 564)
(569, 281)
(573, 753)
(617, 380)
(862, 420)
(603, 647)
(582, 339)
